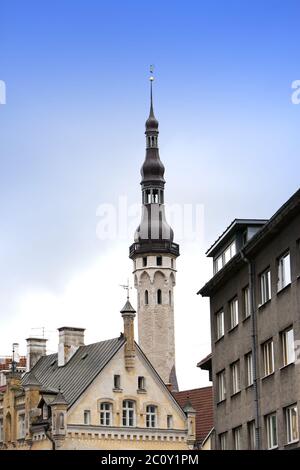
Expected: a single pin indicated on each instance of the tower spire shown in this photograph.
(151, 90)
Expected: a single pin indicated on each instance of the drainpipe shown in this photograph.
(254, 348)
(48, 434)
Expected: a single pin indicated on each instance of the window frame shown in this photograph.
(87, 417)
(221, 381)
(151, 416)
(129, 413)
(234, 312)
(220, 314)
(285, 350)
(284, 279)
(106, 414)
(246, 302)
(223, 440)
(266, 357)
(117, 382)
(265, 281)
(237, 438)
(235, 372)
(269, 431)
(249, 371)
(289, 424)
(251, 435)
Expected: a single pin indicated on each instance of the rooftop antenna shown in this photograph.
(13, 362)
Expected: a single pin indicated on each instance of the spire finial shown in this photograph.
(151, 94)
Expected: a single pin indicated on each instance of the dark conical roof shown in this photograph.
(59, 400)
(128, 308)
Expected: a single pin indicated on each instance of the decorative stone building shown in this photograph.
(154, 257)
(104, 395)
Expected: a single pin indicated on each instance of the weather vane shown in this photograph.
(126, 287)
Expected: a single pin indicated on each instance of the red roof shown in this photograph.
(202, 400)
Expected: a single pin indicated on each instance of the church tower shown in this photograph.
(154, 258)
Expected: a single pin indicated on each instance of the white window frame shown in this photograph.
(128, 413)
(249, 369)
(292, 434)
(151, 416)
(272, 439)
(170, 421)
(246, 302)
(87, 417)
(237, 438)
(284, 271)
(221, 379)
(268, 357)
(106, 413)
(220, 327)
(288, 346)
(223, 441)
(234, 312)
(235, 377)
(223, 259)
(265, 286)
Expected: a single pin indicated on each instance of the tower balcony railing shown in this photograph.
(154, 246)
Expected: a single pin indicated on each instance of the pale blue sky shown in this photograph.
(71, 138)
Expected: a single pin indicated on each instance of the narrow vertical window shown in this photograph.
(288, 347)
(249, 369)
(223, 441)
(169, 421)
(146, 297)
(291, 416)
(234, 313)
(271, 422)
(87, 417)
(268, 357)
(105, 414)
(128, 413)
(251, 435)
(141, 383)
(159, 260)
(235, 377)
(145, 261)
(220, 324)
(151, 416)
(284, 271)
(237, 438)
(246, 302)
(265, 286)
(170, 297)
(158, 296)
(221, 385)
(117, 382)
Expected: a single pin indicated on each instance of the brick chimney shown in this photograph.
(70, 339)
(36, 348)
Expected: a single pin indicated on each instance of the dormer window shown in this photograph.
(224, 257)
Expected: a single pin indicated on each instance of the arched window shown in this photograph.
(159, 296)
(128, 413)
(106, 414)
(146, 297)
(170, 297)
(151, 416)
(61, 421)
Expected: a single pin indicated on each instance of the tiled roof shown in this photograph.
(202, 401)
(77, 374)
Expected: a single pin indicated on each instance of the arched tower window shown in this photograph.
(158, 296)
(61, 421)
(146, 297)
(170, 297)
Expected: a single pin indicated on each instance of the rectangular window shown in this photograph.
(220, 324)
(271, 422)
(21, 426)
(169, 421)
(251, 435)
(246, 302)
(218, 263)
(117, 382)
(249, 369)
(106, 414)
(223, 441)
(151, 416)
(292, 431)
(288, 347)
(226, 256)
(87, 417)
(234, 312)
(145, 261)
(265, 286)
(221, 385)
(284, 271)
(237, 432)
(235, 377)
(128, 413)
(159, 261)
(141, 383)
(268, 357)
